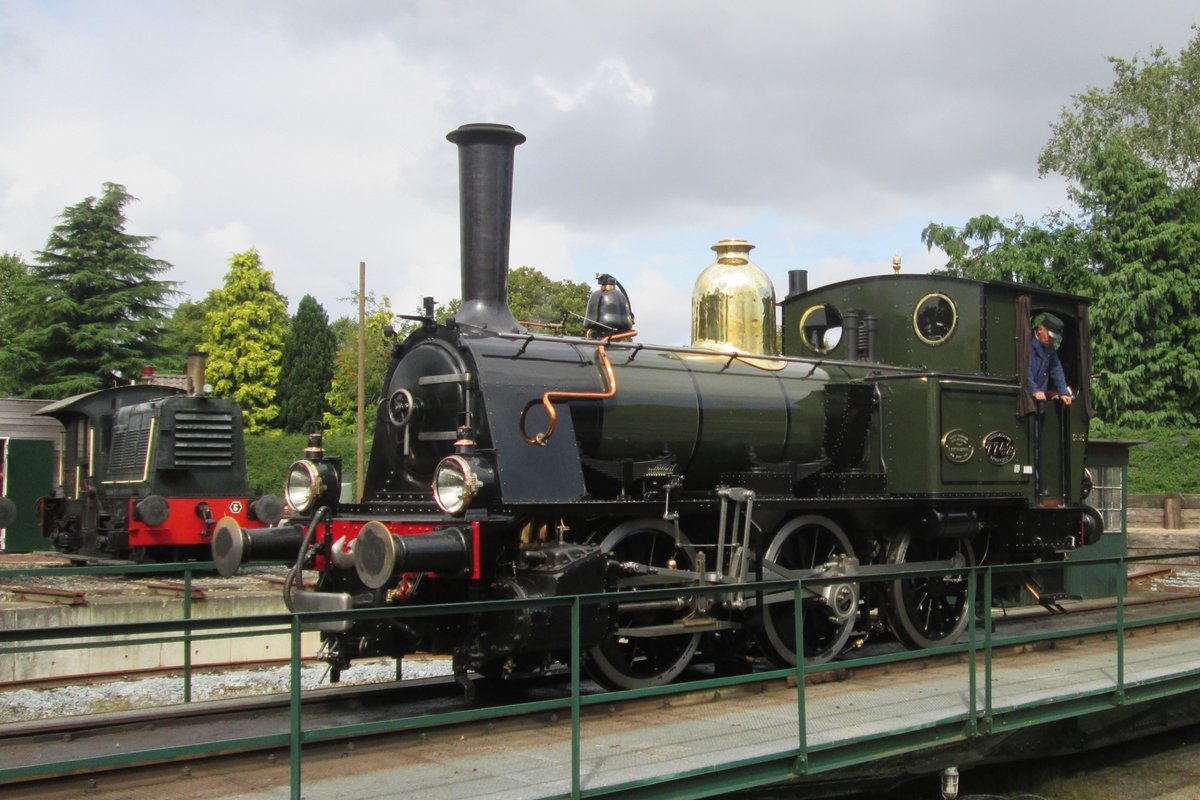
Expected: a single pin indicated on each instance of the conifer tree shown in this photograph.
(13, 275)
(244, 332)
(306, 368)
(1145, 249)
(92, 306)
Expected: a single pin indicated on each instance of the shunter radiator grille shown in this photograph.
(127, 459)
(203, 439)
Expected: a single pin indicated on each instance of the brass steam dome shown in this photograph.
(733, 303)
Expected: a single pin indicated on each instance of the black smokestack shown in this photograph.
(485, 173)
(797, 281)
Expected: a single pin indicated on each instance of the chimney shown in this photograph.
(196, 363)
(485, 171)
(797, 282)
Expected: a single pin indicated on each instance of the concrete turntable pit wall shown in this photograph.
(112, 601)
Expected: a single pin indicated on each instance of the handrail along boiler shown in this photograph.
(509, 464)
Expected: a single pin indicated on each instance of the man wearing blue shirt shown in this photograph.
(1045, 369)
(1044, 365)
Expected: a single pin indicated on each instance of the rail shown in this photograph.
(989, 700)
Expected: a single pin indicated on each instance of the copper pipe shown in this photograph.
(610, 380)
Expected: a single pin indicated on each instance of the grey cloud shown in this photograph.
(317, 128)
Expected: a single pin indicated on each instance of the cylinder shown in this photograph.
(948, 524)
(485, 171)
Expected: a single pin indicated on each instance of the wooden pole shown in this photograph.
(361, 437)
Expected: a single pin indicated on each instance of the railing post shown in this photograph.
(576, 784)
(987, 647)
(187, 635)
(801, 712)
(296, 733)
(1122, 581)
(972, 660)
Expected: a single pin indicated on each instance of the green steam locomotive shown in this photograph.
(889, 430)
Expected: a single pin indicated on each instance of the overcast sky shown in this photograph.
(828, 134)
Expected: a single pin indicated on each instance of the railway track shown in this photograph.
(80, 755)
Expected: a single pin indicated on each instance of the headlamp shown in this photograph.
(459, 480)
(309, 484)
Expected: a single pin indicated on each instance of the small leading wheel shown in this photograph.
(628, 658)
(806, 543)
(928, 611)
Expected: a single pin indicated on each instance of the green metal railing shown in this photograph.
(980, 717)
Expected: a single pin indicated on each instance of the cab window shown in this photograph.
(935, 318)
(821, 328)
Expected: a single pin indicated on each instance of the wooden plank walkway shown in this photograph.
(711, 731)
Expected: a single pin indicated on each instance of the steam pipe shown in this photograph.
(871, 324)
(485, 172)
(851, 321)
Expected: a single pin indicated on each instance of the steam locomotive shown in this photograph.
(147, 472)
(886, 431)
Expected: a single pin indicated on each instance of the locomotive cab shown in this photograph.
(959, 416)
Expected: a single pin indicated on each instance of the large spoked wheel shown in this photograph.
(806, 543)
(632, 656)
(928, 611)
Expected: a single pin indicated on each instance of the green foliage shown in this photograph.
(442, 313)
(1133, 153)
(91, 308)
(535, 298)
(306, 367)
(268, 456)
(1169, 461)
(1144, 245)
(1151, 106)
(1049, 255)
(244, 332)
(1137, 251)
(13, 275)
(184, 334)
(342, 398)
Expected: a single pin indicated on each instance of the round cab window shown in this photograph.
(821, 328)
(935, 318)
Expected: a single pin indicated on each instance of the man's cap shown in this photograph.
(1053, 324)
